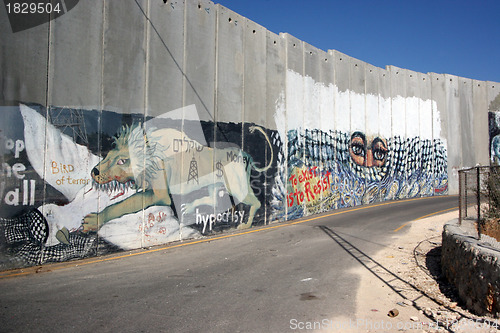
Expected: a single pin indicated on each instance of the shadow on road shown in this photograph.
(403, 288)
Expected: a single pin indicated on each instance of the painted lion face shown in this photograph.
(132, 163)
(116, 167)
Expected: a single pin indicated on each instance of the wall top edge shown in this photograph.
(333, 52)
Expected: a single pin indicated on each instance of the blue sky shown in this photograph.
(460, 37)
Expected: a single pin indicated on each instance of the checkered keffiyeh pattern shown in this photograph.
(27, 235)
(33, 254)
(30, 226)
(414, 166)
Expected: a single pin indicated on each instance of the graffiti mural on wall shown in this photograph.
(345, 170)
(333, 161)
(494, 129)
(157, 181)
(148, 162)
(140, 182)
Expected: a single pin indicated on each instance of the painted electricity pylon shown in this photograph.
(70, 122)
(193, 171)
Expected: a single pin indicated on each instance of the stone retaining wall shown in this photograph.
(473, 266)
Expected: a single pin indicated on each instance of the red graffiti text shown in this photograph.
(307, 185)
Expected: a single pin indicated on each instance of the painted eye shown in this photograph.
(379, 154)
(358, 149)
(379, 149)
(122, 161)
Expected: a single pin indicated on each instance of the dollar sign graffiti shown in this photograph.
(220, 171)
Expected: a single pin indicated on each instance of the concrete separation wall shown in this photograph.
(473, 266)
(132, 124)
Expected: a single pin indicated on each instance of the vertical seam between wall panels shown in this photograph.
(389, 74)
(47, 94)
(432, 120)
(335, 96)
(285, 139)
(183, 101)
(243, 42)
(47, 80)
(145, 102)
(266, 219)
(216, 78)
(432, 128)
(184, 39)
(349, 95)
(99, 126)
(365, 129)
(303, 112)
(215, 99)
(286, 123)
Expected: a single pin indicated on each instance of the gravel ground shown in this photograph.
(402, 288)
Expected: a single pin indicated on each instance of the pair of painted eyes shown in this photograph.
(378, 150)
(122, 161)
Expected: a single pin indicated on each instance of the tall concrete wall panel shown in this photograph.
(439, 108)
(398, 96)
(164, 96)
(412, 104)
(254, 111)
(467, 119)
(481, 137)
(358, 102)
(372, 117)
(455, 124)
(124, 57)
(275, 80)
(295, 107)
(78, 36)
(398, 122)
(426, 155)
(327, 105)
(230, 66)
(425, 105)
(440, 119)
(199, 89)
(123, 78)
(199, 57)
(312, 88)
(295, 82)
(312, 114)
(255, 78)
(276, 73)
(385, 103)
(326, 114)
(165, 57)
(137, 123)
(342, 95)
(372, 98)
(412, 124)
(312, 92)
(24, 68)
(29, 59)
(384, 113)
(74, 85)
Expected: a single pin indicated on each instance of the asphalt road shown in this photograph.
(265, 280)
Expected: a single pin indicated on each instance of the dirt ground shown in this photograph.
(492, 228)
(402, 288)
